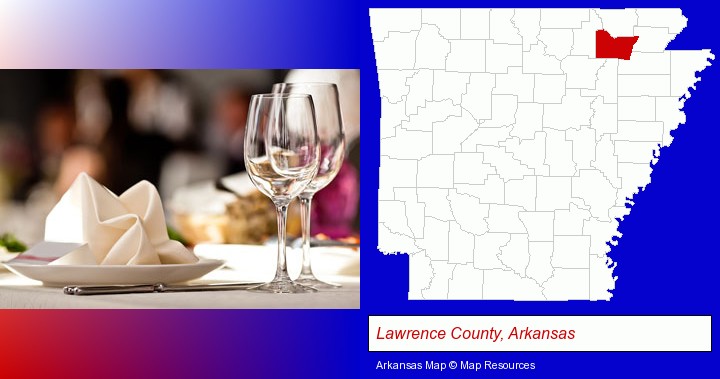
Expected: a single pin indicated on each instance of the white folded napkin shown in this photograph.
(125, 230)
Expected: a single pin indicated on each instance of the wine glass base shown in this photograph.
(316, 283)
(282, 287)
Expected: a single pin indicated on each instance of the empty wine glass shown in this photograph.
(281, 157)
(331, 136)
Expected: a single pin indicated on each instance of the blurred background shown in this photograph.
(181, 130)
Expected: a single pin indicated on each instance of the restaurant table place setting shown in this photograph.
(93, 236)
(99, 243)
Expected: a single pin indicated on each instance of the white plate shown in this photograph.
(5, 256)
(63, 275)
(257, 263)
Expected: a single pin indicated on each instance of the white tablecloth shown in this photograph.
(18, 292)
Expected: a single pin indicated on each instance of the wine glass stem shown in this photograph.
(305, 207)
(281, 273)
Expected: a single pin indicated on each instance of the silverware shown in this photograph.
(330, 243)
(297, 243)
(150, 288)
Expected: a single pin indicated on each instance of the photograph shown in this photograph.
(226, 188)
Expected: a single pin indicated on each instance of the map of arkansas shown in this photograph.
(514, 140)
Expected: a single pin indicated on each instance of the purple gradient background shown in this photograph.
(180, 34)
(180, 343)
(177, 343)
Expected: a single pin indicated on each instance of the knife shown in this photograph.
(331, 243)
(297, 243)
(150, 288)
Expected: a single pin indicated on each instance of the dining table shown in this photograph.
(22, 293)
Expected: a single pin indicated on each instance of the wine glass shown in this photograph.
(281, 157)
(331, 136)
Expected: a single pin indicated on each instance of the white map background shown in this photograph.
(509, 152)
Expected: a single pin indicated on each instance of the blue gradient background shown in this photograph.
(668, 258)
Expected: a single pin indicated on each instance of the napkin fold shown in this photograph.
(128, 229)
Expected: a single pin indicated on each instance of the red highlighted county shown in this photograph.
(608, 47)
